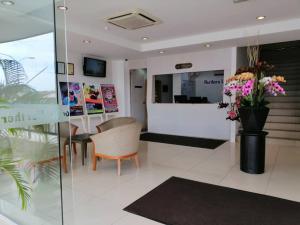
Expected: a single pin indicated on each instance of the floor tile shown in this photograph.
(132, 219)
(159, 162)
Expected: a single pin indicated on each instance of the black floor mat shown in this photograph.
(182, 140)
(184, 202)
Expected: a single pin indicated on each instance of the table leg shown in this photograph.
(82, 152)
(85, 148)
(70, 151)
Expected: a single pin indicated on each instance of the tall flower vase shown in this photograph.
(253, 119)
(253, 139)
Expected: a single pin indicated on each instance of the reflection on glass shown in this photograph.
(192, 87)
(30, 190)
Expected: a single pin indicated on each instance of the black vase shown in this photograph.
(253, 119)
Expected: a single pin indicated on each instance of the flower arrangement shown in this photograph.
(249, 86)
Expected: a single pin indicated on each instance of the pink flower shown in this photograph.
(274, 89)
(232, 86)
(247, 88)
(232, 115)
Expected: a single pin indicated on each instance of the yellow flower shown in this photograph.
(231, 78)
(245, 76)
(278, 79)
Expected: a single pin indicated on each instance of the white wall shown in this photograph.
(118, 79)
(114, 75)
(198, 120)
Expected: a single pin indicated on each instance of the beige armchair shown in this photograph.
(115, 122)
(118, 143)
(65, 130)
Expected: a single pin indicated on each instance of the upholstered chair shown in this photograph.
(117, 143)
(114, 122)
(65, 130)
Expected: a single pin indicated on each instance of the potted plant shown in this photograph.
(247, 90)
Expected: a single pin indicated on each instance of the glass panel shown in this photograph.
(192, 87)
(30, 177)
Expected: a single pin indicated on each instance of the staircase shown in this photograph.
(283, 123)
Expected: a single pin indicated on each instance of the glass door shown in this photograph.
(30, 158)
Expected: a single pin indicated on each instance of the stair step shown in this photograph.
(292, 135)
(282, 141)
(292, 82)
(287, 70)
(283, 99)
(284, 105)
(283, 126)
(290, 86)
(278, 60)
(291, 77)
(284, 112)
(286, 65)
(294, 93)
(283, 119)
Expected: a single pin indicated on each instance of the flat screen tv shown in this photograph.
(94, 67)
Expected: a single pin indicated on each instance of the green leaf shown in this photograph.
(9, 166)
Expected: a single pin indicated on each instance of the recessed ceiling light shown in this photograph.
(106, 28)
(5, 2)
(207, 45)
(145, 38)
(87, 41)
(62, 7)
(161, 52)
(260, 17)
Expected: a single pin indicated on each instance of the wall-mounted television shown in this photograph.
(94, 67)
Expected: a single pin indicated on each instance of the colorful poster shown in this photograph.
(93, 99)
(109, 98)
(71, 95)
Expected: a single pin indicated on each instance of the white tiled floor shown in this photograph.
(98, 197)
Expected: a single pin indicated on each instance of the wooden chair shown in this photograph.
(65, 130)
(117, 143)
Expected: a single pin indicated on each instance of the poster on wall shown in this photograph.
(93, 98)
(109, 98)
(71, 96)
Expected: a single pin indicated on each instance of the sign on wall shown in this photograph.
(109, 98)
(71, 95)
(93, 98)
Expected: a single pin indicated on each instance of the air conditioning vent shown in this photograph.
(133, 20)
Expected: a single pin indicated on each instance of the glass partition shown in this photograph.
(191, 87)
(30, 170)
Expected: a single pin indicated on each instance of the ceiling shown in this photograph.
(180, 18)
(186, 25)
(25, 19)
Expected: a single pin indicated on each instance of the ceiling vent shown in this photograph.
(133, 20)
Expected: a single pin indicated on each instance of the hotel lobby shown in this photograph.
(150, 112)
